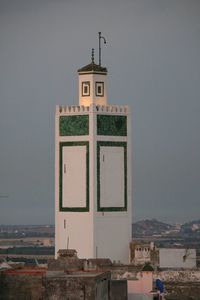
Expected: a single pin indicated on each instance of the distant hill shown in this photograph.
(155, 227)
(192, 227)
(151, 227)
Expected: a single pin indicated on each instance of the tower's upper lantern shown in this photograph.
(92, 84)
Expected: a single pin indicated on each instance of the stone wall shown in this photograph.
(183, 291)
(183, 284)
(77, 286)
(180, 284)
(23, 286)
(118, 290)
(179, 276)
(36, 284)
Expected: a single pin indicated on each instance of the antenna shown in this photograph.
(92, 56)
(104, 40)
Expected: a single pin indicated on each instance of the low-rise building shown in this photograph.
(141, 253)
(69, 277)
(177, 258)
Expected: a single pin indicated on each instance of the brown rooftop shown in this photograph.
(67, 253)
(93, 68)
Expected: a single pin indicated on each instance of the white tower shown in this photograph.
(93, 172)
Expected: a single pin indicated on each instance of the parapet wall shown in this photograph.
(22, 284)
(181, 285)
(61, 109)
(183, 276)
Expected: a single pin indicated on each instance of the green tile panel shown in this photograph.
(111, 125)
(74, 125)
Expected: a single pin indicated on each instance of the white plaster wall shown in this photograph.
(92, 78)
(94, 233)
(74, 176)
(113, 235)
(174, 258)
(113, 230)
(74, 229)
(100, 78)
(112, 176)
(78, 232)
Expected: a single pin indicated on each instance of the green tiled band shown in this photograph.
(77, 209)
(111, 125)
(111, 144)
(74, 125)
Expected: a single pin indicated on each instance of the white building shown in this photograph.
(177, 258)
(93, 172)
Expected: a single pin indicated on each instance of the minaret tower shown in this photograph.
(93, 193)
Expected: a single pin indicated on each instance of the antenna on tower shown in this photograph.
(92, 58)
(104, 40)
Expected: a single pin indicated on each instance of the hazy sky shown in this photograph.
(153, 58)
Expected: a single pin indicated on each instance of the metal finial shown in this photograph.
(100, 38)
(92, 55)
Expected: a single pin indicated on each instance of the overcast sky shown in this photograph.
(153, 58)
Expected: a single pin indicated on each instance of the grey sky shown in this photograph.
(153, 58)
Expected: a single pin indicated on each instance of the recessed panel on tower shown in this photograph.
(111, 176)
(74, 177)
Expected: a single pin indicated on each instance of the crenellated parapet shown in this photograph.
(112, 108)
(74, 109)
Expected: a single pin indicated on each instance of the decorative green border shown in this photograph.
(111, 144)
(66, 144)
(74, 125)
(96, 88)
(88, 84)
(112, 125)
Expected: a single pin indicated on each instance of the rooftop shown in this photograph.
(61, 274)
(93, 68)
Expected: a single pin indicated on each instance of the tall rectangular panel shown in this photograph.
(74, 176)
(112, 176)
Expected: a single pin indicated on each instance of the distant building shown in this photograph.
(69, 277)
(82, 285)
(93, 172)
(177, 258)
(48, 242)
(141, 253)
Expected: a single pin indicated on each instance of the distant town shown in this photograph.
(19, 240)
(27, 241)
(158, 250)
(168, 235)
